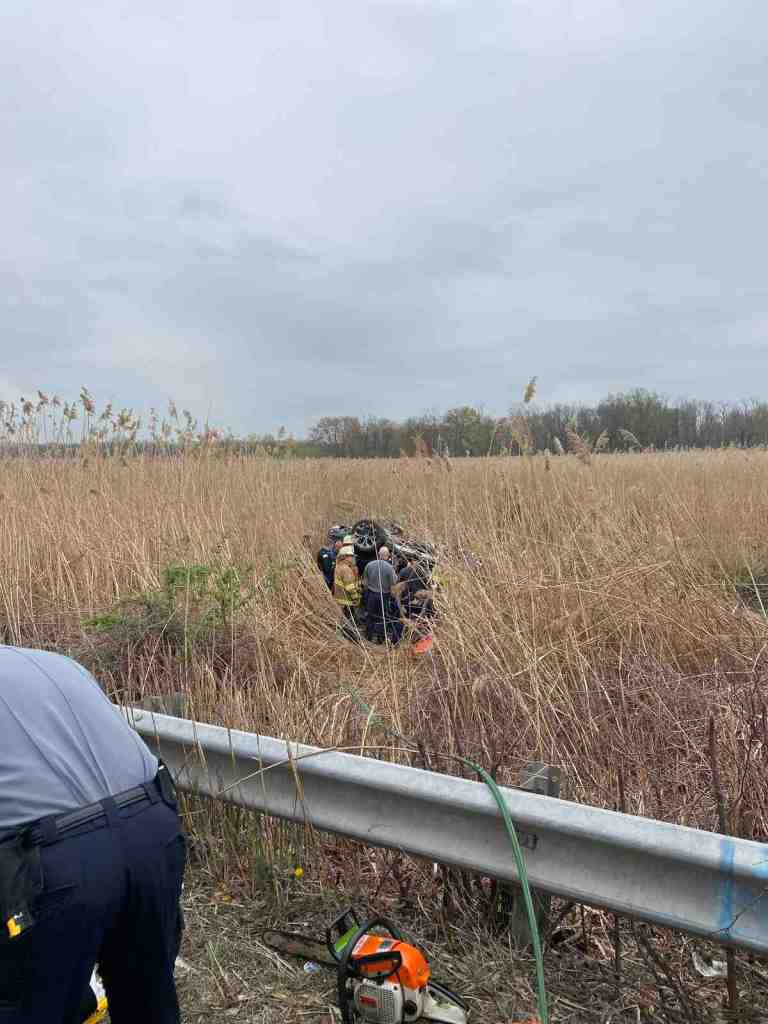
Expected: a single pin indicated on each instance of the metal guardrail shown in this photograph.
(699, 882)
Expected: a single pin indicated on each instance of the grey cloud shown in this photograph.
(261, 208)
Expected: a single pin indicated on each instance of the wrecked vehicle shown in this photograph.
(371, 534)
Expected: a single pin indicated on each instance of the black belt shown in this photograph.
(160, 787)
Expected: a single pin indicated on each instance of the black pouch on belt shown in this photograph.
(166, 784)
(21, 880)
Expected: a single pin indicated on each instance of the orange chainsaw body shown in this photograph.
(413, 973)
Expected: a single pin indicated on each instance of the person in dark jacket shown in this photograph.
(412, 588)
(326, 561)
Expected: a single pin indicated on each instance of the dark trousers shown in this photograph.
(110, 896)
(382, 620)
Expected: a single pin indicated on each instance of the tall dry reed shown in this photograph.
(588, 618)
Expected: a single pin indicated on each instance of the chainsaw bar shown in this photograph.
(304, 946)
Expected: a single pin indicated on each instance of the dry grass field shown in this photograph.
(612, 614)
(603, 617)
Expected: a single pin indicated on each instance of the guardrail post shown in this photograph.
(543, 779)
(165, 704)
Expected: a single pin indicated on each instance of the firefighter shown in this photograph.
(92, 851)
(346, 585)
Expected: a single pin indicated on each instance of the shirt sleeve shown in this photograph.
(87, 675)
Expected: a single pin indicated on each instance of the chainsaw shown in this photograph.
(381, 978)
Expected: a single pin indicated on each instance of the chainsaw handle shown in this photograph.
(343, 923)
(367, 926)
(393, 959)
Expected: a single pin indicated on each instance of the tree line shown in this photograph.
(638, 419)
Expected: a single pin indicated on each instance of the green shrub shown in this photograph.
(189, 606)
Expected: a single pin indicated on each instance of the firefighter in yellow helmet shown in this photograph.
(347, 591)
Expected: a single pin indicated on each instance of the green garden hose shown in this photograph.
(522, 873)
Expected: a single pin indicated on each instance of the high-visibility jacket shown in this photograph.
(346, 584)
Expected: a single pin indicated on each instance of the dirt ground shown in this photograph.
(226, 971)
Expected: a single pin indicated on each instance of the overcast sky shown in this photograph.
(273, 211)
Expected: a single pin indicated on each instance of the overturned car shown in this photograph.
(371, 534)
